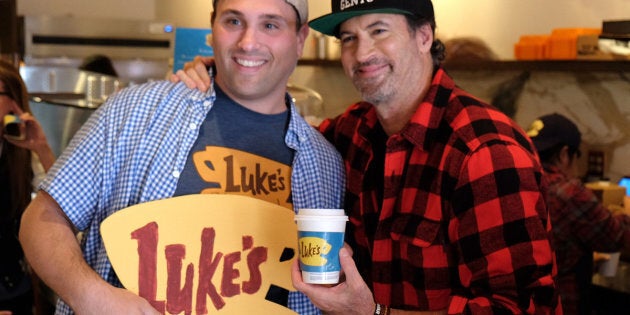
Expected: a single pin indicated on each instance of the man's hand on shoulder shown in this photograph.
(195, 73)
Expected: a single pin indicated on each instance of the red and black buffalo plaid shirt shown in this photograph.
(449, 212)
(581, 225)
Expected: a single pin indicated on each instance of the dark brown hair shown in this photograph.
(15, 162)
(438, 50)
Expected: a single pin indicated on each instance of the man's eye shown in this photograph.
(346, 39)
(233, 22)
(378, 31)
(271, 26)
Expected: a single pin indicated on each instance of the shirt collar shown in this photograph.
(427, 117)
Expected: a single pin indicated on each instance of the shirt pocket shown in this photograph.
(419, 241)
(415, 229)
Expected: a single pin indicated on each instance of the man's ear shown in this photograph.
(563, 156)
(424, 37)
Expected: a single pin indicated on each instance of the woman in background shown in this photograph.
(23, 162)
(580, 223)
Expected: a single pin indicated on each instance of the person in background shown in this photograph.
(581, 224)
(23, 163)
(99, 64)
(139, 146)
(445, 193)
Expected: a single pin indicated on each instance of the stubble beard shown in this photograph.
(374, 90)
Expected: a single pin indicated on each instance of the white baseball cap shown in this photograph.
(300, 6)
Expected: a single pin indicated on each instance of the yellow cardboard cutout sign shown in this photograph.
(204, 254)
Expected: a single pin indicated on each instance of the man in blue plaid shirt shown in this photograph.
(143, 144)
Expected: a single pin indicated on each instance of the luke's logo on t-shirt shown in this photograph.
(231, 171)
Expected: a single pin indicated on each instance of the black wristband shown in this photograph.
(380, 309)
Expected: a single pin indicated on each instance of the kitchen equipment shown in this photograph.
(308, 102)
(59, 120)
(139, 50)
(62, 99)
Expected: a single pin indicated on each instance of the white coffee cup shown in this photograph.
(320, 237)
(608, 268)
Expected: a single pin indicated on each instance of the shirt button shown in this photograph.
(176, 174)
(207, 103)
(194, 98)
(193, 126)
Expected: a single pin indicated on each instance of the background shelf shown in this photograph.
(533, 65)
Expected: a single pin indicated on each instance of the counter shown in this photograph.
(611, 295)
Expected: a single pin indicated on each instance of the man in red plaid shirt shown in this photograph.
(445, 193)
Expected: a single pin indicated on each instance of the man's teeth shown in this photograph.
(249, 63)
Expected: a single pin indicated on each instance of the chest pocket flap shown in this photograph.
(416, 229)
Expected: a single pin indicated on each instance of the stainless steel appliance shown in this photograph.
(61, 99)
(139, 50)
(62, 96)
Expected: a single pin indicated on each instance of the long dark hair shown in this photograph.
(15, 163)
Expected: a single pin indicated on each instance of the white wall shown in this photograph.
(186, 13)
(498, 22)
(501, 22)
(123, 9)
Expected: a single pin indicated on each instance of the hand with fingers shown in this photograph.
(352, 296)
(195, 73)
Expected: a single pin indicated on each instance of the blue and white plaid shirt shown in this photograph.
(134, 147)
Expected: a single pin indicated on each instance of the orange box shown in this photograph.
(531, 47)
(563, 42)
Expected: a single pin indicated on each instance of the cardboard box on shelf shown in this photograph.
(608, 193)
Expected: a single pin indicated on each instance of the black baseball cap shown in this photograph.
(551, 130)
(343, 10)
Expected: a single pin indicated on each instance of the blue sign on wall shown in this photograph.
(190, 42)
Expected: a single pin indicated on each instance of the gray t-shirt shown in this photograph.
(238, 151)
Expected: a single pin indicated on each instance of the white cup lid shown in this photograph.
(321, 212)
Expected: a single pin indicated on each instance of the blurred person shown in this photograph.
(100, 64)
(139, 146)
(444, 193)
(581, 224)
(23, 163)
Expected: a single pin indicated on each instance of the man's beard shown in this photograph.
(374, 92)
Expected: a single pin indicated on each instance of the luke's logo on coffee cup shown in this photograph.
(313, 251)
